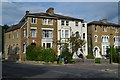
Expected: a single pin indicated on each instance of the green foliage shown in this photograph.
(60, 61)
(76, 42)
(65, 53)
(90, 56)
(37, 53)
(97, 60)
(113, 52)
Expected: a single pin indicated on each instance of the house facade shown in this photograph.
(102, 35)
(43, 29)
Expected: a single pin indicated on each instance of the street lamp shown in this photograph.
(111, 50)
(60, 40)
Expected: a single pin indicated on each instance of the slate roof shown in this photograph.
(42, 15)
(100, 23)
(54, 16)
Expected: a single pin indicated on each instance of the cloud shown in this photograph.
(60, 0)
(13, 12)
(89, 11)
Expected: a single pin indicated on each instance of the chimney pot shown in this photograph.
(27, 12)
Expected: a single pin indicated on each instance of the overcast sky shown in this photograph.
(12, 12)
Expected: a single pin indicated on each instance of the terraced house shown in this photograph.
(102, 35)
(42, 29)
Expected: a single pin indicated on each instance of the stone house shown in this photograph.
(41, 29)
(102, 35)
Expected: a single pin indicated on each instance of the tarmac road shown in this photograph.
(19, 70)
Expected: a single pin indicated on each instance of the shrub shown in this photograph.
(90, 56)
(66, 54)
(97, 60)
(37, 53)
(30, 52)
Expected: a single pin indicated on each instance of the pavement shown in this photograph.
(41, 70)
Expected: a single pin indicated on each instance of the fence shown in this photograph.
(91, 60)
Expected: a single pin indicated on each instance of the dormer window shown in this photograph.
(34, 20)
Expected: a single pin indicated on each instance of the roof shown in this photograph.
(14, 27)
(103, 23)
(42, 15)
(54, 16)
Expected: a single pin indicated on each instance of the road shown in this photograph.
(19, 70)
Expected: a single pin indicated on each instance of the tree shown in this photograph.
(76, 42)
(112, 53)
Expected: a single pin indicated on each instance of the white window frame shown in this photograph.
(62, 22)
(24, 48)
(67, 34)
(105, 38)
(84, 36)
(46, 44)
(76, 23)
(34, 21)
(35, 33)
(104, 29)
(50, 33)
(95, 38)
(83, 24)
(46, 21)
(63, 33)
(24, 33)
(67, 23)
(95, 29)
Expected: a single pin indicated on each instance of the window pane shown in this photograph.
(62, 22)
(47, 34)
(48, 45)
(44, 45)
(49, 21)
(66, 33)
(83, 35)
(33, 20)
(76, 23)
(33, 33)
(67, 23)
(83, 25)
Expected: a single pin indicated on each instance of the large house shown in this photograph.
(102, 35)
(43, 29)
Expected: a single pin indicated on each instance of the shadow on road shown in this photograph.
(14, 70)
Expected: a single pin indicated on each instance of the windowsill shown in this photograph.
(33, 23)
(48, 24)
(46, 38)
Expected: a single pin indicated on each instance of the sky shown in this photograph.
(12, 12)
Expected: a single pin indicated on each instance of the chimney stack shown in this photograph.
(104, 20)
(50, 11)
(27, 12)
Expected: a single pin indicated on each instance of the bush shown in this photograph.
(37, 53)
(66, 54)
(90, 56)
(97, 60)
